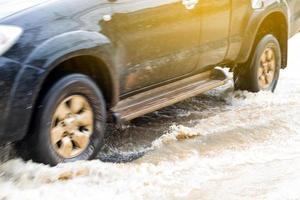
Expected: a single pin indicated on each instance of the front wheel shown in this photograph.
(70, 122)
(261, 72)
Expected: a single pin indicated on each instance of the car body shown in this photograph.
(127, 46)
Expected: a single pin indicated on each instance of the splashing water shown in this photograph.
(222, 144)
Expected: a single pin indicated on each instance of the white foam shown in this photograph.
(264, 168)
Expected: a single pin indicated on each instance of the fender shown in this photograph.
(72, 44)
(254, 23)
(52, 50)
(40, 62)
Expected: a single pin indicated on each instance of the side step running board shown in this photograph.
(166, 95)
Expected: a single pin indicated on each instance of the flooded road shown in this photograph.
(219, 145)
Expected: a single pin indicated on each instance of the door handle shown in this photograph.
(190, 4)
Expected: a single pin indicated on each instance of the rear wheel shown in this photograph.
(70, 122)
(261, 72)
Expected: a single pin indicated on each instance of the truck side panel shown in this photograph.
(241, 13)
(294, 12)
(245, 25)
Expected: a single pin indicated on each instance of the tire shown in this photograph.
(252, 75)
(68, 92)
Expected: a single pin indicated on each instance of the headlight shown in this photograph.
(8, 37)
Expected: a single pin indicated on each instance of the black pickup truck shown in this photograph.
(67, 67)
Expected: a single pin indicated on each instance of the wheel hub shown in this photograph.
(72, 126)
(267, 68)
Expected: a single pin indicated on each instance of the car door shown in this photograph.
(294, 12)
(157, 41)
(215, 23)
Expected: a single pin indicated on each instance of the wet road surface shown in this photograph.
(219, 145)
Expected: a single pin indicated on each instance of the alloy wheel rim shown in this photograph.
(72, 126)
(267, 68)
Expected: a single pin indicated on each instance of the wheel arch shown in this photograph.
(90, 53)
(84, 52)
(262, 25)
(86, 64)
